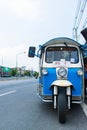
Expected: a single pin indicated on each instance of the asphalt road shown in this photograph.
(22, 109)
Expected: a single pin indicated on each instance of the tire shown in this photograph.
(62, 103)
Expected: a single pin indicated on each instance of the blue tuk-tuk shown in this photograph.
(61, 73)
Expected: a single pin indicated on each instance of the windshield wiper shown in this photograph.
(65, 44)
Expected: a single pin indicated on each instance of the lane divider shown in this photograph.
(10, 92)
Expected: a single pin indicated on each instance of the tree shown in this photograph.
(27, 73)
(13, 72)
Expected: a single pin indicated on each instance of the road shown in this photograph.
(22, 109)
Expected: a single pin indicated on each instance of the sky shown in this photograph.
(25, 23)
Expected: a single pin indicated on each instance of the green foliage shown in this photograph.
(26, 73)
(14, 72)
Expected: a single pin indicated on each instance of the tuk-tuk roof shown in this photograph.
(61, 40)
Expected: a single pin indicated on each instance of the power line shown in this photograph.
(84, 23)
(79, 13)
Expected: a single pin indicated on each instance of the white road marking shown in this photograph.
(84, 107)
(10, 92)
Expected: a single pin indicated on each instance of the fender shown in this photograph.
(61, 83)
(64, 84)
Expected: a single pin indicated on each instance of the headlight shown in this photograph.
(62, 72)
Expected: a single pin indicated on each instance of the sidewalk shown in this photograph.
(14, 78)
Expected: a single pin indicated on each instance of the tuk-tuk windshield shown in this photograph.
(58, 53)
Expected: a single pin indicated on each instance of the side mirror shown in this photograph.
(84, 33)
(31, 52)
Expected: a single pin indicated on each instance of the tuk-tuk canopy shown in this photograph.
(66, 40)
(59, 40)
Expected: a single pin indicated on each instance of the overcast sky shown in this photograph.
(32, 22)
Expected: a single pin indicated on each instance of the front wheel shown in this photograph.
(62, 103)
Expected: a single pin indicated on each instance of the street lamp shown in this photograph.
(1, 59)
(17, 58)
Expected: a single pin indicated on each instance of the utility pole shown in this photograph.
(79, 13)
(17, 60)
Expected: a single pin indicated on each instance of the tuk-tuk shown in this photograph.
(61, 73)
